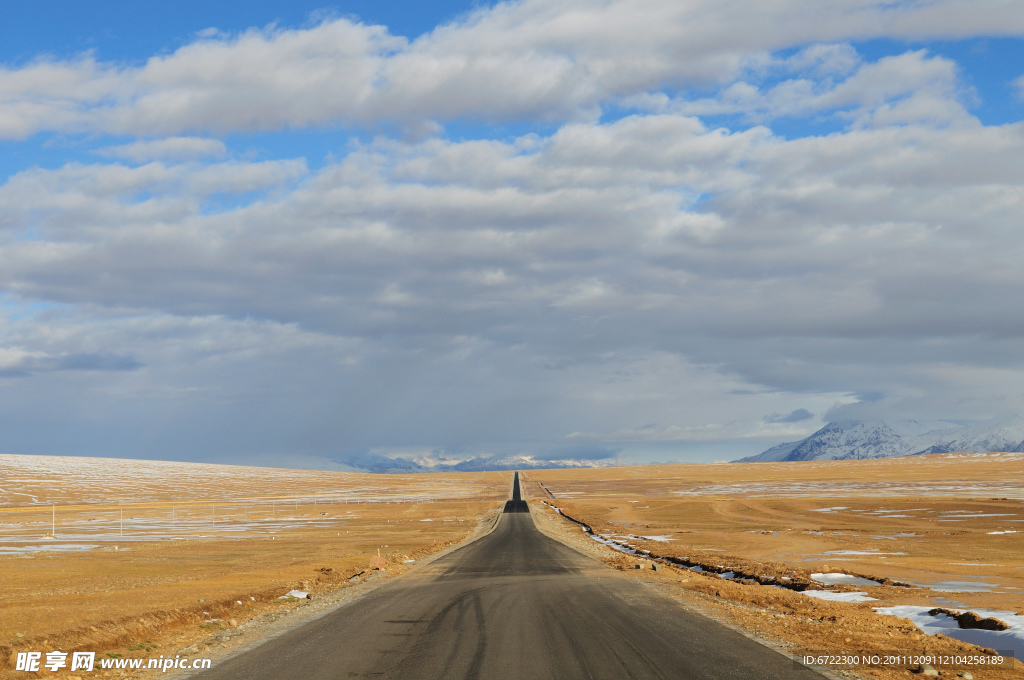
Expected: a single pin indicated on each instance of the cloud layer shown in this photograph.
(612, 285)
(515, 61)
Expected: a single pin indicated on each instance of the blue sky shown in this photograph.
(291, 233)
(133, 32)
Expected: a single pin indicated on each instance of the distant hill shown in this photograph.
(371, 462)
(857, 439)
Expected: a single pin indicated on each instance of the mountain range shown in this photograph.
(373, 462)
(857, 439)
(838, 440)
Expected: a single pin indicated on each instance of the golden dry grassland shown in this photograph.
(932, 531)
(196, 540)
(139, 558)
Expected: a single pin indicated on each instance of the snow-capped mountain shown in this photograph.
(371, 462)
(854, 439)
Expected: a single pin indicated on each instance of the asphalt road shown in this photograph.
(513, 605)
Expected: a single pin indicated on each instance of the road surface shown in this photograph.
(512, 605)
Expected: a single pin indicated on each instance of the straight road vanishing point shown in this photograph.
(512, 605)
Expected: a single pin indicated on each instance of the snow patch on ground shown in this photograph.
(844, 579)
(613, 544)
(50, 547)
(999, 640)
(833, 596)
(959, 586)
(881, 489)
(858, 552)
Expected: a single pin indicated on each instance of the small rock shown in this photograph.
(656, 567)
(638, 566)
(966, 675)
(927, 670)
(233, 623)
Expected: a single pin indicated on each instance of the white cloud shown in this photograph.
(909, 88)
(592, 281)
(15, 358)
(522, 60)
(544, 223)
(170, 148)
(823, 60)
